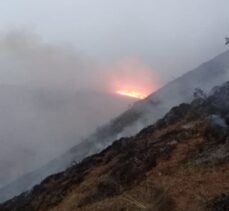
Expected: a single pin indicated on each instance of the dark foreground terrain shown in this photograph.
(179, 163)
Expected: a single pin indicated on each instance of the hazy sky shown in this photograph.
(169, 36)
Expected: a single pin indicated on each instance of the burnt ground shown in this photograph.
(179, 163)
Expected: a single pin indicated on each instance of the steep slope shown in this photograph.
(37, 125)
(143, 113)
(179, 163)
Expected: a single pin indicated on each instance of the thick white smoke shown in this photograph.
(51, 97)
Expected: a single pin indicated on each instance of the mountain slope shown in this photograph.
(143, 113)
(179, 163)
(37, 125)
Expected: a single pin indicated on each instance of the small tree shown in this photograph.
(199, 94)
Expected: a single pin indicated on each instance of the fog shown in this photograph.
(61, 63)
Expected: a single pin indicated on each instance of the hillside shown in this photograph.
(178, 163)
(142, 113)
(37, 125)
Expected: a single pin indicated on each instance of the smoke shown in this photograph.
(27, 60)
(52, 96)
(217, 121)
(131, 75)
(41, 104)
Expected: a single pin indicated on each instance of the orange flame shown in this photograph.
(130, 77)
(133, 94)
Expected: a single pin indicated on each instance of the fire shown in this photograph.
(133, 94)
(131, 78)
